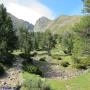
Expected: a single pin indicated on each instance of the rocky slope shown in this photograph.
(41, 24)
(12, 77)
(62, 23)
(59, 25)
(19, 23)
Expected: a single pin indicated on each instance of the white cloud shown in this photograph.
(31, 11)
(7, 1)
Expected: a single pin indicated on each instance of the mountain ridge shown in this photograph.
(60, 24)
(18, 23)
(41, 24)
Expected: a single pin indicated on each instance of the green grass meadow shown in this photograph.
(78, 83)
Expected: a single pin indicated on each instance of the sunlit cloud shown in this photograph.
(29, 10)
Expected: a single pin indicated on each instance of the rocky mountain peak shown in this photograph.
(41, 24)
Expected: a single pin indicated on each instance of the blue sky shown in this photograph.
(64, 7)
(32, 10)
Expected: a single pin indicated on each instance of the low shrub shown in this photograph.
(27, 58)
(80, 66)
(28, 61)
(58, 57)
(86, 61)
(33, 54)
(23, 55)
(76, 60)
(67, 52)
(42, 59)
(81, 63)
(7, 60)
(1, 70)
(65, 64)
(36, 84)
(31, 68)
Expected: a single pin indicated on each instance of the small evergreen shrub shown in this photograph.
(65, 64)
(42, 59)
(33, 54)
(27, 58)
(58, 57)
(80, 66)
(23, 55)
(65, 51)
(36, 84)
(27, 61)
(7, 60)
(76, 60)
(81, 63)
(31, 68)
(86, 61)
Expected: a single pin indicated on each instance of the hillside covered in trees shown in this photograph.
(50, 55)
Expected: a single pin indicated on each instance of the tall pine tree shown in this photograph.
(8, 38)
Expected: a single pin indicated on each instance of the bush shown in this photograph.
(76, 60)
(82, 63)
(7, 60)
(33, 54)
(1, 70)
(23, 55)
(80, 66)
(65, 51)
(86, 61)
(58, 57)
(30, 60)
(31, 68)
(36, 84)
(42, 59)
(65, 64)
(27, 58)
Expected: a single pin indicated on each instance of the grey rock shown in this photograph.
(41, 24)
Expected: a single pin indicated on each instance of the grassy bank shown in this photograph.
(78, 83)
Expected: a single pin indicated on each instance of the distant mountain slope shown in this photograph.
(63, 23)
(59, 25)
(21, 23)
(41, 24)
